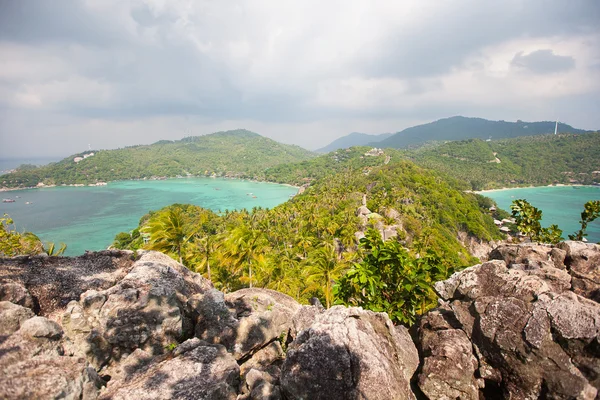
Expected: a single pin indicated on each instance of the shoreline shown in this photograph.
(528, 187)
(7, 189)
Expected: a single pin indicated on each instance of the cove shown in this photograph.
(560, 205)
(88, 218)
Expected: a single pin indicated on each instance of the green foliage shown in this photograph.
(240, 154)
(13, 243)
(304, 245)
(461, 128)
(390, 279)
(531, 160)
(591, 211)
(527, 220)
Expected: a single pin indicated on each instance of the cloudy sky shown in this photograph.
(113, 73)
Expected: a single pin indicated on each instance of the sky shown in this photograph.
(115, 73)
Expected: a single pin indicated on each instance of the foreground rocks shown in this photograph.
(119, 325)
(515, 327)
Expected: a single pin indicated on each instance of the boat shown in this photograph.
(8, 200)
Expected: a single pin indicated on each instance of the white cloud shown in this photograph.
(300, 72)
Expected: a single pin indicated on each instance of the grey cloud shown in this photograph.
(459, 29)
(543, 62)
(38, 22)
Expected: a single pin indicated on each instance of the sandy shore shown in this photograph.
(523, 187)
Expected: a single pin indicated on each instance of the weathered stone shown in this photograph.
(531, 335)
(263, 315)
(146, 309)
(12, 316)
(348, 353)
(17, 294)
(55, 281)
(205, 372)
(40, 327)
(583, 262)
(449, 366)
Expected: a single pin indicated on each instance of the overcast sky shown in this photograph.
(113, 73)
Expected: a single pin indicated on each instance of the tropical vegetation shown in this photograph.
(239, 153)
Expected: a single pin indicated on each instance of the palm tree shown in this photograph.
(244, 246)
(169, 231)
(324, 271)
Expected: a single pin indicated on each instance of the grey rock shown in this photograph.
(348, 353)
(16, 293)
(449, 366)
(147, 309)
(583, 261)
(262, 316)
(513, 326)
(206, 371)
(12, 316)
(40, 327)
(56, 281)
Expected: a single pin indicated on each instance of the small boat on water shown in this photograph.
(8, 200)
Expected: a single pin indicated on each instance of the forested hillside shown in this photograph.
(353, 139)
(237, 153)
(302, 245)
(531, 160)
(460, 128)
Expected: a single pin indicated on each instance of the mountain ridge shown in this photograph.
(236, 153)
(352, 139)
(461, 128)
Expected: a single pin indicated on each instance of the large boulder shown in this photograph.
(12, 316)
(147, 309)
(33, 365)
(195, 370)
(511, 327)
(49, 284)
(583, 261)
(349, 353)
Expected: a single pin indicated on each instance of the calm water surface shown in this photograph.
(88, 218)
(560, 205)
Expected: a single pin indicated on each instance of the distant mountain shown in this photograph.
(461, 128)
(353, 139)
(238, 153)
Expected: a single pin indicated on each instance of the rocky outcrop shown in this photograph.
(514, 327)
(119, 325)
(349, 353)
(195, 370)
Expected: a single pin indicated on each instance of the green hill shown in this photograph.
(238, 153)
(286, 246)
(529, 160)
(460, 128)
(353, 139)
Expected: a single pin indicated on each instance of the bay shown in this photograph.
(560, 205)
(88, 218)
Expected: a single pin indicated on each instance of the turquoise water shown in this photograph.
(560, 205)
(88, 218)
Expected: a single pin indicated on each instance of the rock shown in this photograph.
(441, 349)
(513, 327)
(522, 253)
(304, 318)
(56, 281)
(40, 327)
(363, 210)
(349, 353)
(12, 316)
(49, 378)
(263, 315)
(17, 294)
(147, 309)
(206, 371)
(583, 262)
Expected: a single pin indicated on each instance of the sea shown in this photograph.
(560, 205)
(88, 218)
